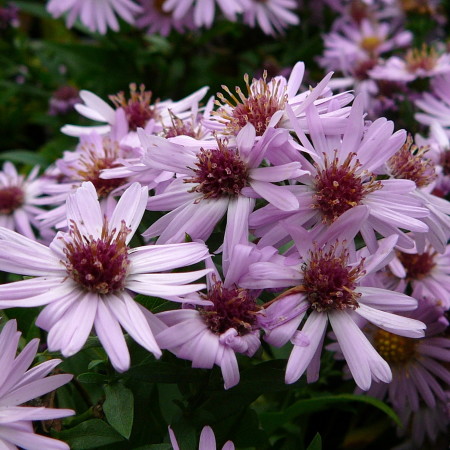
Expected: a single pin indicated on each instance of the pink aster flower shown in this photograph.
(155, 20)
(63, 100)
(87, 276)
(97, 15)
(18, 385)
(418, 63)
(93, 154)
(213, 333)
(366, 40)
(19, 200)
(428, 273)
(207, 440)
(216, 178)
(272, 16)
(129, 114)
(264, 102)
(418, 366)
(342, 176)
(436, 104)
(203, 10)
(327, 284)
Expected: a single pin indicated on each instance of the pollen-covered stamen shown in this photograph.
(232, 308)
(11, 198)
(137, 108)
(329, 281)
(263, 100)
(220, 172)
(180, 128)
(424, 58)
(99, 265)
(394, 349)
(417, 266)
(423, 7)
(341, 186)
(370, 44)
(410, 163)
(92, 165)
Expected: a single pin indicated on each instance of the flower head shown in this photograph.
(18, 385)
(88, 275)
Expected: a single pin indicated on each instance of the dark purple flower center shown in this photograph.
(92, 165)
(362, 68)
(137, 108)
(329, 282)
(66, 93)
(263, 100)
(445, 162)
(232, 308)
(11, 198)
(98, 265)
(394, 349)
(340, 187)
(417, 266)
(180, 128)
(220, 172)
(409, 163)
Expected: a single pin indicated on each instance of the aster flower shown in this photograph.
(156, 20)
(216, 179)
(63, 100)
(427, 272)
(97, 15)
(203, 10)
(18, 385)
(263, 104)
(93, 154)
(425, 426)
(438, 144)
(272, 16)
(214, 332)
(207, 440)
(342, 177)
(418, 63)
(87, 276)
(412, 163)
(326, 282)
(366, 40)
(418, 366)
(436, 104)
(131, 113)
(19, 200)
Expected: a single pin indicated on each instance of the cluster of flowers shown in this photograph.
(162, 16)
(369, 46)
(316, 215)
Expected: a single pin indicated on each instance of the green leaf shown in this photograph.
(91, 377)
(25, 157)
(154, 304)
(155, 447)
(273, 420)
(90, 434)
(316, 443)
(119, 408)
(162, 372)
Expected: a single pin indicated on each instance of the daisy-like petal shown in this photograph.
(301, 356)
(402, 326)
